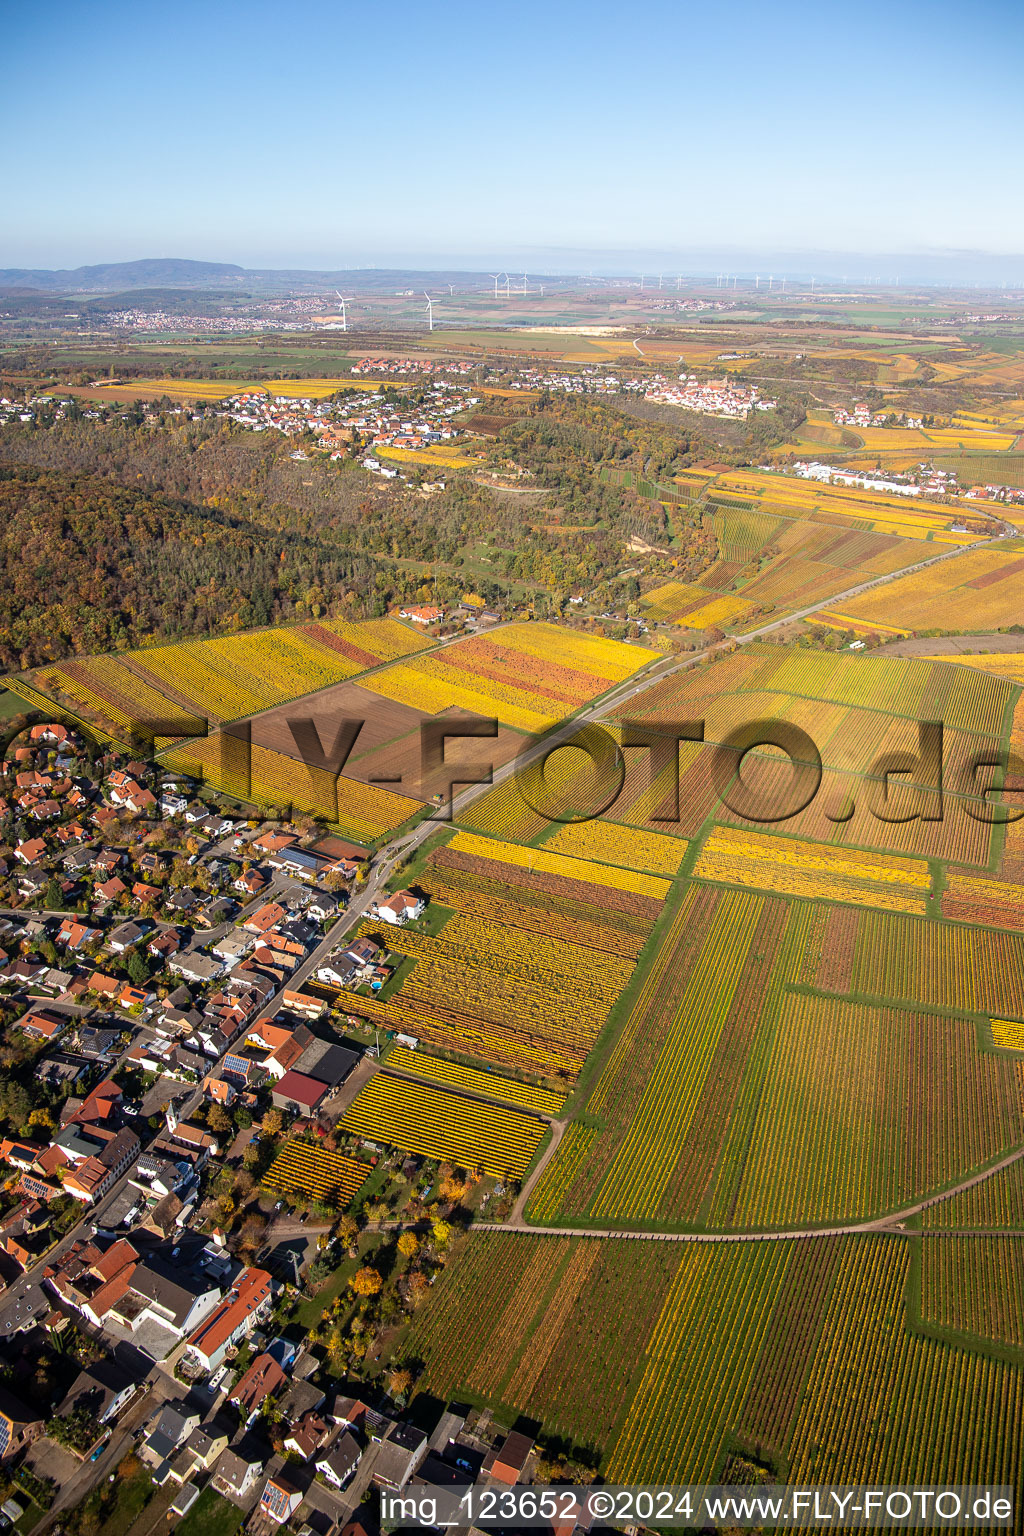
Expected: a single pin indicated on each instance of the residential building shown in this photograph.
(306, 1436)
(402, 907)
(166, 1431)
(399, 1455)
(101, 1390)
(263, 1378)
(338, 1459)
(236, 1475)
(279, 1499)
(19, 1426)
(507, 1462)
(247, 1301)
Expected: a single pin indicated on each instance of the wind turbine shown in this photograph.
(430, 311)
(495, 275)
(344, 317)
(526, 286)
(508, 286)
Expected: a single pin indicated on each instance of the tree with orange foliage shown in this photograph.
(366, 1281)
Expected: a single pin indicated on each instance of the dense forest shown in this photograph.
(121, 531)
(87, 565)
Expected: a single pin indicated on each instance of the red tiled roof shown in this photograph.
(250, 1290)
(262, 1378)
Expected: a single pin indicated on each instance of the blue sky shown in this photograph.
(327, 134)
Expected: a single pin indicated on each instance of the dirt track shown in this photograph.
(956, 645)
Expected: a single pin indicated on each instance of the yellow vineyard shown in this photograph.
(239, 674)
(433, 1122)
(542, 862)
(365, 811)
(798, 867)
(628, 847)
(452, 1075)
(1008, 1033)
(975, 590)
(327, 1177)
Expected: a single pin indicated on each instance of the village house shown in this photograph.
(422, 615)
(204, 1446)
(42, 1024)
(30, 851)
(398, 1456)
(19, 1426)
(263, 1378)
(339, 1458)
(507, 1463)
(236, 1476)
(298, 1095)
(102, 1389)
(73, 934)
(166, 1431)
(306, 1436)
(402, 907)
(279, 1499)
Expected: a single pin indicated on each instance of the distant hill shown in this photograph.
(154, 272)
(124, 277)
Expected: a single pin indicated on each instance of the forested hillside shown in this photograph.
(88, 565)
(118, 531)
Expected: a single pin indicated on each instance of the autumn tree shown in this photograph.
(348, 1229)
(400, 1380)
(218, 1119)
(453, 1189)
(253, 1231)
(408, 1244)
(419, 1285)
(366, 1281)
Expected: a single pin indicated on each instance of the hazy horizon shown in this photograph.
(938, 268)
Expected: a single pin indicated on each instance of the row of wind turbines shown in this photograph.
(722, 281)
(496, 278)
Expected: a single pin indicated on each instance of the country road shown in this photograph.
(891, 1224)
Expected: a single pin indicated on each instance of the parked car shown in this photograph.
(101, 1447)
